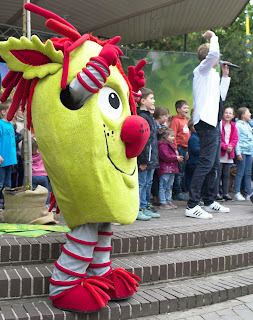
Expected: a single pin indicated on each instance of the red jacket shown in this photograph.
(167, 158)
(182, 132)
(232, 140)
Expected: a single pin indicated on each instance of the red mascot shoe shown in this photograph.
(87, 296)
(124, 282)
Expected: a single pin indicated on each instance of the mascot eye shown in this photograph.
(109, 102)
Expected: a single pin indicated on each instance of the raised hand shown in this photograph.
(136, 76)
(208, 34)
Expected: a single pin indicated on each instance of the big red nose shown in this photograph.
(135, 133)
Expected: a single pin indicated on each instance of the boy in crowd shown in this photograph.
(148, 159)
(8, 156)
(179, 125)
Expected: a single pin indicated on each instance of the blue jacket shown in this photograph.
(193, 150)
(245, 142)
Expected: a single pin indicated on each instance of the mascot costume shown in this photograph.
(80, 103)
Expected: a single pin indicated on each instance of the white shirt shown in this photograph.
(207, 88)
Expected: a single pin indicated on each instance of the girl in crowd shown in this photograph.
(243, 152)
(229, 138)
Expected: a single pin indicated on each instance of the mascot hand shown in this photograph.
(136, 76)
(110, 53)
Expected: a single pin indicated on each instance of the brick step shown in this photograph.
(150, 300)
(16, 249)
(33, 280)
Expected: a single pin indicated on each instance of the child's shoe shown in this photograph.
(165, 206)
(218, 197)
(152, 214)
(151, 208)
(239, 196)
(142, 216)
(172, 205)
(181, 197)
(227, 197)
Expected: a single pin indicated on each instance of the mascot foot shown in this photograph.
(89, 296)
(124, 282)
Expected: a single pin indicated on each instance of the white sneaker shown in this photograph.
(216, 207)
(239, 196)
(197, 212)
(248, 196)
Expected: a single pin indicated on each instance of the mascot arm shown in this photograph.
(94, 75)
(136, 78)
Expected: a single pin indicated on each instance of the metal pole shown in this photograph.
(27, 133)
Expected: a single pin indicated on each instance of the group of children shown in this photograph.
(171, 154)
(11, 154)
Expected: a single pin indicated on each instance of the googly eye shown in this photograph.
(110, 103)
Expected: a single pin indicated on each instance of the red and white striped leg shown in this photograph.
(70, 288)
(125, 283)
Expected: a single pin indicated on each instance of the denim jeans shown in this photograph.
(223, 172)
(206, 171)
(145, 183)
(5, 179)
(165, 187)
(42, 181)
(244, 168)
(179, 182)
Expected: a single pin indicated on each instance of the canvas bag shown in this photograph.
(27, 207)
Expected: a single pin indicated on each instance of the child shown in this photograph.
(39, 174)
(193, 150)
(179, 125)
(229, 138)
(8, 155)
(168, 161)
(148, 159)
(243, 152)
(161, 115)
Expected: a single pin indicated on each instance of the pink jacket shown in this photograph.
(37, 166)
(232, 140)
(167, 158)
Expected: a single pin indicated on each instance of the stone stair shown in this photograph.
(187, 265)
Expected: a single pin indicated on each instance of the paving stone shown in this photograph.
(32, 311)
(8, 313)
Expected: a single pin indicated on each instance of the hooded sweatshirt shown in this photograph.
(182, 133)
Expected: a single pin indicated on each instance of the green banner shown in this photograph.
(168, 74)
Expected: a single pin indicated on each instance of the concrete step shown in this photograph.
(33, 280)
(17, 249)
(150, 300)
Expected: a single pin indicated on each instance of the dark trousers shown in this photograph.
(223, 174)
(179, 182)
(155, 185)
(206, 171)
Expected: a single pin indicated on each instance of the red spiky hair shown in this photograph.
(73, 39)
